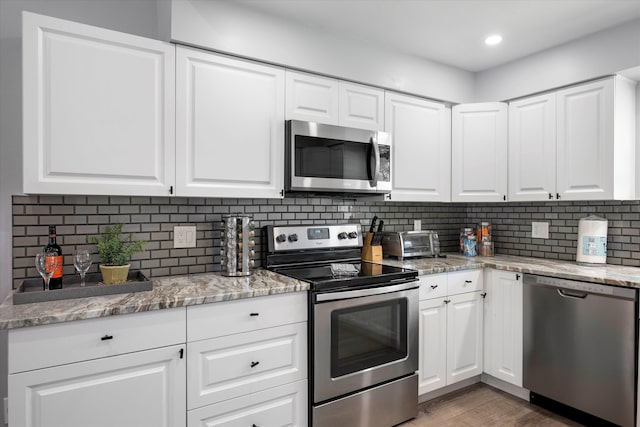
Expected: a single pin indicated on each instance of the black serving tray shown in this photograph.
(31, 290)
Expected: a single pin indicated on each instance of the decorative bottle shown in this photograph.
(52, 246)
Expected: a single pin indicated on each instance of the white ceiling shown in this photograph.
(453, 31)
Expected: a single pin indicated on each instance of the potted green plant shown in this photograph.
(115, 251)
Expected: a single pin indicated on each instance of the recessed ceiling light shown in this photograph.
(493, 40)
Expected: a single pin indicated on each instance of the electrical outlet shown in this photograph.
(417, 225)
(184, 236)
(539, 230)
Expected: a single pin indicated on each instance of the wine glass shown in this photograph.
(82, 262)
(46, 264)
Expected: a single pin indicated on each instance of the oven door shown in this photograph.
(363, 338)
(333, 158)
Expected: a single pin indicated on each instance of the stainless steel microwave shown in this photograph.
(327, 158)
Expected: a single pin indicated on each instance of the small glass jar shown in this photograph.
(470, 246)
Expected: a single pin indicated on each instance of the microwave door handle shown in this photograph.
(376, 153)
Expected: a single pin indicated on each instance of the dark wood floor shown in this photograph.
(482, 405)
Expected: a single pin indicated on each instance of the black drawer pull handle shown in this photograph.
(484, 294)
(254, 364)
(434, 286)
(447, 301)
(254, 314)
(468, 281)
(107, 337)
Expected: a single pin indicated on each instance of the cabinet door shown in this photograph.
(479, 152)
(361, 106)
(432, 364)
(503, 326)
(464, 336)
(421, 132)
(312, 98)
(285, 405)
(229, 126)
(140, 389)
(98, 110)
(585, 141)
(532, 148)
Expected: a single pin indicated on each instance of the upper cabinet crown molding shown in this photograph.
(421, 132)
(479, 152)
(98, 110)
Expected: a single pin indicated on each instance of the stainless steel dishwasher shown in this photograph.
(580, 345)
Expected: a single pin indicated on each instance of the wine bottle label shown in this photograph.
(58, 273)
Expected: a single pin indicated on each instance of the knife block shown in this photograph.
(371, 253)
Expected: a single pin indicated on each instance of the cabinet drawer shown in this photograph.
(57, 344)
(232, 317)
(433, 286)
(465, 281)
(279, 406)
(235, 365)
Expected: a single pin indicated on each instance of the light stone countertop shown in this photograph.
(616, 275)
(167, 292)
(181, 291)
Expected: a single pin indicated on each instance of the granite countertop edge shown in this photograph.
(205, 288)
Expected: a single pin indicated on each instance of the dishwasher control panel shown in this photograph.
(593, 288)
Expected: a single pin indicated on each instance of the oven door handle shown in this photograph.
(376, 153)
(334, 296)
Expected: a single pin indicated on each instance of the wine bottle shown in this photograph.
(56, 278)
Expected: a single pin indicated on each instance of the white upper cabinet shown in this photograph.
(421, 132)
(312, 98)
(532, 148)
(361, 106)
(98, 110)
(479, 152)
(229, 126)
(596, 140)
(334, 102)
(577, 143)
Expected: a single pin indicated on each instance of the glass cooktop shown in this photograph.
(349, 275)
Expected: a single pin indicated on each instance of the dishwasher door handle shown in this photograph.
(576, 295)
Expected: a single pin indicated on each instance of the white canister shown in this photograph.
(592, 240)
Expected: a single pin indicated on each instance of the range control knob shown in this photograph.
(353, 235)
(293, 237)
(281, 238)
(342, 235)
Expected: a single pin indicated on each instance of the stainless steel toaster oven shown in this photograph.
(405, 244)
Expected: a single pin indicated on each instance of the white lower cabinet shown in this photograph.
(451, 331)
(238, 376)
(503, 356)
(94, 373)
(464, 336)
(285, 405)
(143, 389)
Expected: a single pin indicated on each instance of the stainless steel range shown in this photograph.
(363, 325)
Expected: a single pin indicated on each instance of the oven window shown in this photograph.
(369, 335)
(332, 158)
